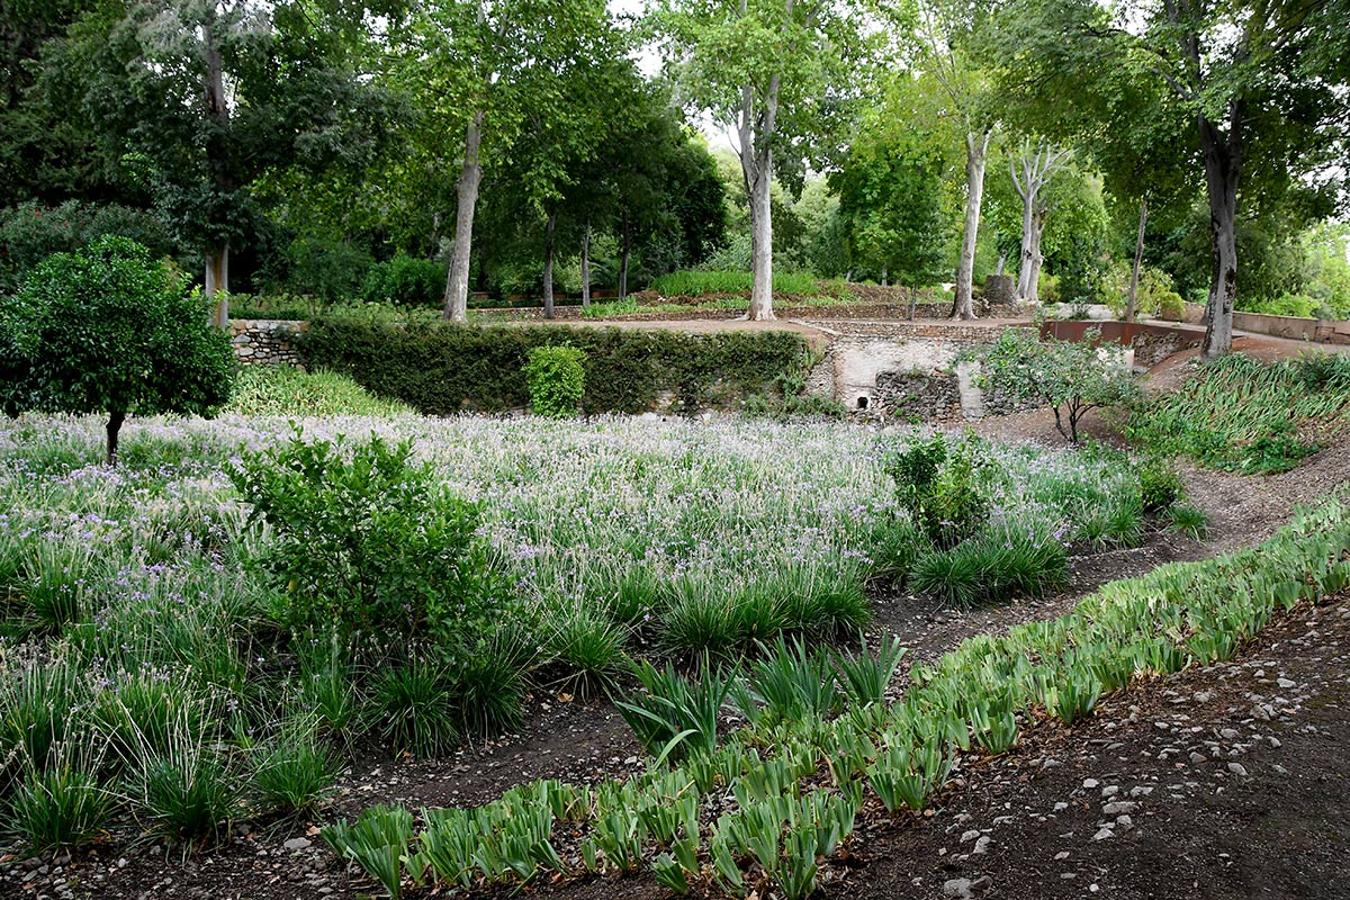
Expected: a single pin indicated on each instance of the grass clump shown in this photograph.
(1239, 414)
(61, 804)
(288, 391)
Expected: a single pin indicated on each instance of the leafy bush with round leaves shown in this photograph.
(405, 281)
(109, 329)
(557, 380)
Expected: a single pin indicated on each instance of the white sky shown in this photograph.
(650, 63)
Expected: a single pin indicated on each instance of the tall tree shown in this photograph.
(948, 35)
(776, 73)
(202, 98)
(1239, 73)
(1032, 168)
(890, 202)
(482, 74)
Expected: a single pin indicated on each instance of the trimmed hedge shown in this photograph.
(441, 368)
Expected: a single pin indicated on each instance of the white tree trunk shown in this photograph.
(1027, 256)
(761, 253)
(466, 201)
(1033, 291)
(1132, 298)
(586, 267)
(977, 149)
(625, 254)
(548, 267)
(218, 283)
(1223, 167)
(1037, 169)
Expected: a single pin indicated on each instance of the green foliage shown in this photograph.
(1159, 485)
(1189, 520)
(1243, 415)
(109, 329)
(329, 270)
(412, 707)
(904, 777)
(1070, 377)
(294, 773)
(442, 369)
(674, 715)
(557, 380)
(864, 677)
(992, 567)
(288, 391)
(370, 544)
(377, 842)
(1155, 289)
(789, 683)
(184, 789)
(939, 483)
(61, 804)
(890, 206)
(405, 281)
(30, 232)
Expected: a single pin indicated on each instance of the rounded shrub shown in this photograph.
(405, 281)
(557, 380)
(110, 329)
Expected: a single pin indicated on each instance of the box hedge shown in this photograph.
(441, 368)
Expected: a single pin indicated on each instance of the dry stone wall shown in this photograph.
(266, 342)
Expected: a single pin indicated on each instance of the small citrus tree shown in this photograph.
(108, 329)
(1070, 377)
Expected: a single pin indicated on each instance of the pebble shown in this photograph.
(982, 845)
(1104, 833)
(958, 888)
(298, 843)
(1238, 769)
(1118, 807)
(1091, 783)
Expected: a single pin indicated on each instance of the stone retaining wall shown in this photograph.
(266, 342)
(919, 396)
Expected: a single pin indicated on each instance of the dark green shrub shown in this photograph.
(405, 281)
(992, 567)
(331, 270)
(412, 708)
(30, 232)
(1159, 485)
(109, 329)
(440, 368)
(556, 380)
(939, 483)
(371, 543)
